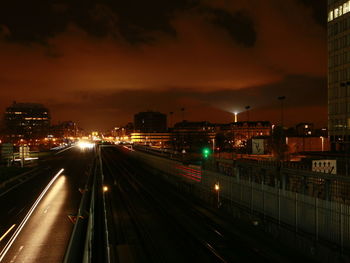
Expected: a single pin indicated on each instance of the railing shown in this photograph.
(316, 217)
(89, 239)
(76, 246)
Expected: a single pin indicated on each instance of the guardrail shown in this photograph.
(76, 246)
(89, 241)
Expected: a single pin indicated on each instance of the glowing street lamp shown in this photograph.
(217, 189)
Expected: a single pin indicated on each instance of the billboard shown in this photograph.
(324, 166)
(24, 152)
(258, 146)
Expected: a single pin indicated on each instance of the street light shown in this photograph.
(235, 113)
(322, 141)
(217, 189)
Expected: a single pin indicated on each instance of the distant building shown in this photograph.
(237, 133)
(187, 126)
(150, 121)
(242, 131)
(65, 129)
(250, 129)
(123, 131)
(27, 120)
(153, 138)
(193, 136)
(307, 144)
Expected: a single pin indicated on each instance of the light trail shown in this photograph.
(70, 147)
(24, 221)
(6, 233)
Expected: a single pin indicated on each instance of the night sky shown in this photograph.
(99, 62)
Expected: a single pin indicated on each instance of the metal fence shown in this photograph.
(320, 218)
(327, 220)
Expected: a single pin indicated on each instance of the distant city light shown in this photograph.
(85, 145)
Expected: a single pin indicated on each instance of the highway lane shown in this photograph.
(154, 221)
(45, 236)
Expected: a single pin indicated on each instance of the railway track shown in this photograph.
(160, 224)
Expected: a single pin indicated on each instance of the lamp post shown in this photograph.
(248, 132)
(183, 114)
(217, 189)
(236, 119)
(247, 109)
(171, 118)
(345, 124)
(281, 98)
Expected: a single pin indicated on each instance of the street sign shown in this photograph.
(23, 152)
(7, 151)
(258, 146)
(324, 166)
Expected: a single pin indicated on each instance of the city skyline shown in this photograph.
(102, 63)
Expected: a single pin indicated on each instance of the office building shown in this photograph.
(27, 121)
(150, 121)
(339, 74)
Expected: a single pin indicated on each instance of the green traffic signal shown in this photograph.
(206, 152)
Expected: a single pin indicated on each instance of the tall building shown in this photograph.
(150, 121)
(65, 129)
(27, 120)
(339, 74)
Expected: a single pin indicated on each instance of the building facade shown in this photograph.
(153, 139)
(150, 121)
(339, 74)
(27, 121)
(65, 129)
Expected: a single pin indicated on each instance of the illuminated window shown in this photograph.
(336, 13)
(340, 10)
(330, 16)
(345, 8)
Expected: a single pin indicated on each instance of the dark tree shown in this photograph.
(278, 145)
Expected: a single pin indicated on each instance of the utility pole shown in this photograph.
(281, 98)
(171, 118)
(248, 132)
(346, 85)
(247, 109)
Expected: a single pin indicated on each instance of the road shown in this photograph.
(47, 229)
(150, 220)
